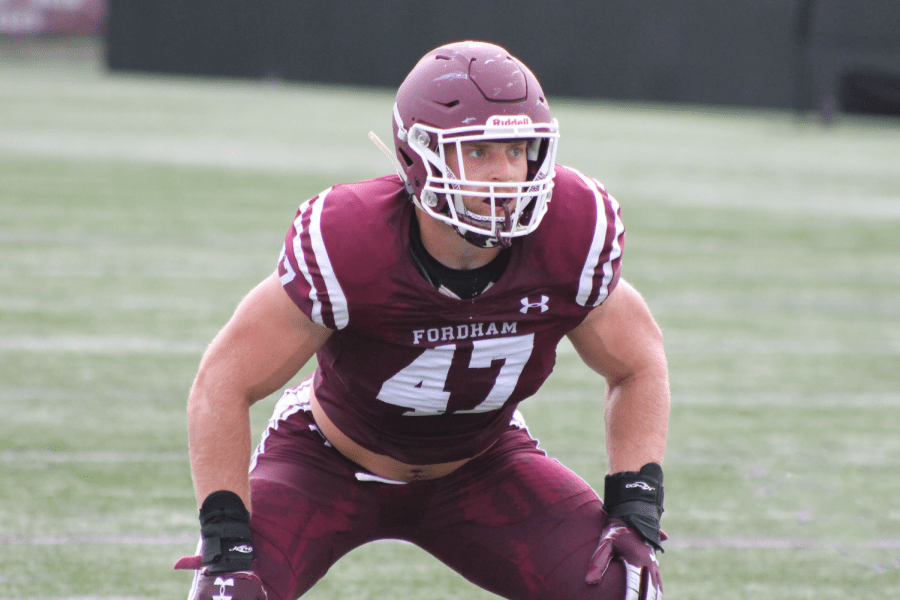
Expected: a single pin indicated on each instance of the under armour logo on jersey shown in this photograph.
(526, 305)
(223, 584)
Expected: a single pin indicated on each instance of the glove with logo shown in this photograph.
(239, 585)
(634, 502)
(226, 551)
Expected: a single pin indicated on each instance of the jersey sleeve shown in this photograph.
(601, 270)
(306, 271)
(339, 247)
(582, 238)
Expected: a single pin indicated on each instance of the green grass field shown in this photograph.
(135, 212)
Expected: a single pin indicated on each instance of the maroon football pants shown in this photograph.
(512, 521)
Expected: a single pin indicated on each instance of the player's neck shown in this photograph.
(447, 247)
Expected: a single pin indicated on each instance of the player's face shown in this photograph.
(490, 162)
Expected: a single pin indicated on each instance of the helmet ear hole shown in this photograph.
(405, 157)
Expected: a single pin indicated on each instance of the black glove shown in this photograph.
(637, 500)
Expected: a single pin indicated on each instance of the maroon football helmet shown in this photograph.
(474, 91)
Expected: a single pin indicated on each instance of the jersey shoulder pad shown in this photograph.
(340, 242)
(583, 235)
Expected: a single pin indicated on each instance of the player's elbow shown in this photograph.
(215, 392)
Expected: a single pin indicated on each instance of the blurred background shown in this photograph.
(153, 155)
(809, 55)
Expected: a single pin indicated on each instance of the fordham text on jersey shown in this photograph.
(463, 332)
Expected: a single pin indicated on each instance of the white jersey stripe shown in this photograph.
(598, 244)
(615, 251)
(289, 273)
(335, 293)
(316, 315)
(330, 298)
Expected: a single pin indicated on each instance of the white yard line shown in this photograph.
(737, 543)
(729, 543)
(99, 540)
(37, 456)
(734, 195)
(98, 344)
(199, 151)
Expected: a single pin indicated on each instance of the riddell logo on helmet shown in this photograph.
(507, 121)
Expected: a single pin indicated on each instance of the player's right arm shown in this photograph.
(266, 342)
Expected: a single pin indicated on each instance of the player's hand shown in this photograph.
(619, 542)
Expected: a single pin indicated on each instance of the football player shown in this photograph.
(434, 300)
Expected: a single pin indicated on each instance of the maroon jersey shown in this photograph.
(416, 374)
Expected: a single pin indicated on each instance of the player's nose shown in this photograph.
(503, 168)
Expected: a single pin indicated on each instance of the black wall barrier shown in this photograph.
(765, 53)
(871, 92)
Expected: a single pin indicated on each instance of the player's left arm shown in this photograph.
(621, 341)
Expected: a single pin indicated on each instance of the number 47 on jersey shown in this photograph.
(425, 385)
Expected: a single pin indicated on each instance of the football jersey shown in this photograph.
(418, 375)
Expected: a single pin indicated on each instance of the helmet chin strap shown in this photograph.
(483, 240)
(479, 239)
(506, 242)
